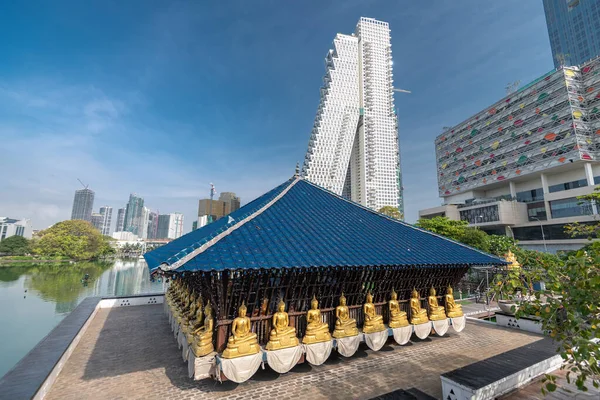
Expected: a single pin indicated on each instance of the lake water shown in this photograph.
(35, 298)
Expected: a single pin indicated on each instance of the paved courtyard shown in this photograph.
(130, 353)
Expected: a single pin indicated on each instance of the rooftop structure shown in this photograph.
(353, 147)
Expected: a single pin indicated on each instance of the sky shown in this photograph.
(161, 98)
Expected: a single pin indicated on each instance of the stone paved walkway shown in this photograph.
(130, 353)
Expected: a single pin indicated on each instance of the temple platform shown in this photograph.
(129, 352)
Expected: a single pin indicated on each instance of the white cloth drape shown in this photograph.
(201, 367)
(180, 338)
(347, 346)
(184, 348)
(191, 359)
(376, 340)
(402, 335)
(241, 369)
(422, 330)
(459, 323)
(441, 327)
(317, 353)
(285, 359)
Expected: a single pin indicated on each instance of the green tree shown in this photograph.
(14, 246)
(75, 239)
(476, 238)
(499, 245)
(391, 211)
(443, 226)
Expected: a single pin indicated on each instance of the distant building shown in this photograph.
(97, 221)
(517, 167)
(106, 213)
(15, 227)
(152, 225)
(232, 199)
(125, 236)
(120, 220)
(144, 223)
(194, 225)
(83, 203)
(133, 215)
(202, 221)
(574, 30)
(218, 210)
(170, 226)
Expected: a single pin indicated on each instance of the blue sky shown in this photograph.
(162, 98)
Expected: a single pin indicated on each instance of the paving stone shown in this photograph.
(131, 351)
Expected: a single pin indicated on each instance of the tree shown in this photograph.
(14, 246)
(75, 239)
(391, 211)
(443, 226)
(586, 230)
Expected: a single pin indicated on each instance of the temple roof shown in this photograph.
(299, 224)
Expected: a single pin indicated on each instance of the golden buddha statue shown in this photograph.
(453, 310)
(195, 321)
(436, 312)
(188, 311)
(282, 334)
(344, 325)
(512, 259)
(242, 341)
(317, 331)
(201, 342)
(373, 322)
(398, 317)
(417, 314)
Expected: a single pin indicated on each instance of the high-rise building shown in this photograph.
(15, 227)
(574, 30)
(133, 215)
(353, 148)
(120, 220)
(232, 199)
(152, 225)
(170, 226)
(145, 221)
(194, 225)
(106, 213)
(218, 209)
(97, 220)
(517, 167)
(83, 203)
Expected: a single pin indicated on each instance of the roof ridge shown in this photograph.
(229, 230)
(400, 221)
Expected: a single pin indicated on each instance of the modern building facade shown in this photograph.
(217, 211)
(233, 200)
(573, 29)
(133, 215)
(15, 227)
(152, 225)
(170, 226)
(353, 148)
(97, 221)
(106, 213)
(517, 167)
(120, 226)
(83, 204)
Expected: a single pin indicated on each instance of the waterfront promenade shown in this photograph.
(131, 353)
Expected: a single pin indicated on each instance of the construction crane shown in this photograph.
(83, 184)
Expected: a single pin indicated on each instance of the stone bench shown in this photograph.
(492, 377)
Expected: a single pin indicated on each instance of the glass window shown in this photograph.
(570, 207)
(551, 232)
(479, 215)
(537, 211)
(568, 186)
(530, 195)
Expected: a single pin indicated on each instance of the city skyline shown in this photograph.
(75, 119)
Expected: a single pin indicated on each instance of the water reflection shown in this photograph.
(36, 297)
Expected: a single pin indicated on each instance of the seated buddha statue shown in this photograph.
(201, 342)
(398, 317)
(282, 335)
(187, 312)
(195, 321)
(453, 310)
(181, 304)
(242, 341)
(344, 325)
(373, 322)
(317, 331)
(512, 259)
(417, 314)
(436, 312)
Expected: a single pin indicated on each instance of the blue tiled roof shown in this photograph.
(299, 224)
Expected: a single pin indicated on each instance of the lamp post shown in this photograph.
(543, 236)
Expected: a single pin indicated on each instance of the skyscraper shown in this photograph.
(106, 213)
(97, 220)
(83, 203)
(152, 225)
(353, 148)
(120, 220)
(144, 223)
(170, 226)
(574, 30)
(133, 215)
(231, 199)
